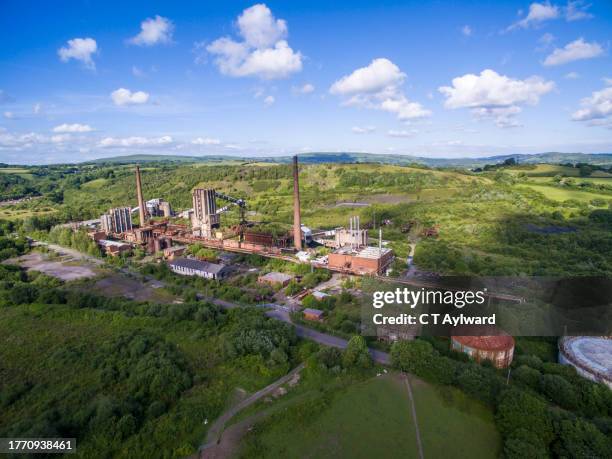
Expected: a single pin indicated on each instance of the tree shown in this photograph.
(527, 376)
(580, 438)
(356, 353)
(524, 443)
(560, 391)
(412, 356)
(518, 409)
(330, 357)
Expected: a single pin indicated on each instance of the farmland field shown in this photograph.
(561, 194)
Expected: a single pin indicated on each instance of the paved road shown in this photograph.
(324, 338)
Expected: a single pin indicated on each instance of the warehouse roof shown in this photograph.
(197, 265)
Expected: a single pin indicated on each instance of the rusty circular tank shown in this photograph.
(499, 348)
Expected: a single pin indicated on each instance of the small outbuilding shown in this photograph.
(313, 314)
(275, 279)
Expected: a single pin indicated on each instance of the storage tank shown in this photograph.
(591, 356)
(499, 349)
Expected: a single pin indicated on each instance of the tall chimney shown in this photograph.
(142, 210)
(297, 224)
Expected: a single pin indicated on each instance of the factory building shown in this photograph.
(591, 356)
(117, 220)
(499, 349)
(353, 236)
(158, 208)
(190, 267)
(205, 217)
(367, 260)
(114, 248)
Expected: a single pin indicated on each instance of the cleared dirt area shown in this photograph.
(120, 285)
(65, 269)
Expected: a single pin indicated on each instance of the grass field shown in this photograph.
(16, 214)
(595, 180)
(373, 419)
(13, 170)
(546, 170)
(95, 184)
(449, 417)
(560, 194)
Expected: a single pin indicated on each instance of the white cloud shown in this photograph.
(363, 130)
(111, 142)
(269, 100)
(378, 86)
(199, 51)
(205, 141)
(9, 140)
(306, 89)
(80, 49)
(401, 133)
(263, 53)
(379, 75)
(36, 108)
(466, 30)
(571, 76)
(607, 81)
(73, 128)
(9, 115)
(596, 109)
(259, 28)
(61, 138)
(124, 96)
(154, 31)
(574, 51)
(538, 13)
(137, 72)
(576, 11)
(545, 42)
(490, 95)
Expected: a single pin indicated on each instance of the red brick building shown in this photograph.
(369, 260)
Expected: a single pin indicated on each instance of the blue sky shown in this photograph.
(83, 80)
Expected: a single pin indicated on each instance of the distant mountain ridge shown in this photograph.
(352, 157)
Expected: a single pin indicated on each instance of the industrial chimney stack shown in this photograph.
(142, 210)
(297, 224)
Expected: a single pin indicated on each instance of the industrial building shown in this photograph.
(353, 236)
(367, 260)
(499, 349)
(205, 216)
(114, 248)
(158, 208)
(275, 279)
(591, 356)
(191, 267)
(172, 253)
(117, 220)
